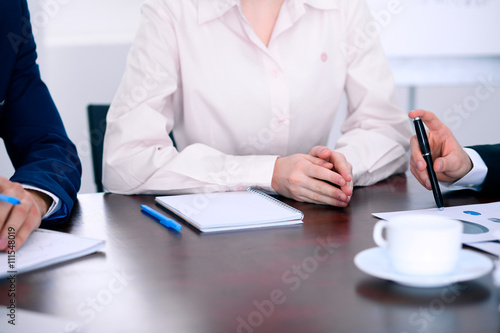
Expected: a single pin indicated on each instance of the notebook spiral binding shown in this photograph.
(274, 200)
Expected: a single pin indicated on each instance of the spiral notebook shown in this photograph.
(210, 212)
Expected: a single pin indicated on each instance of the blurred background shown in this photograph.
(445, 55)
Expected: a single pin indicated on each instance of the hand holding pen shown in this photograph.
(21, 213)
(450, 163)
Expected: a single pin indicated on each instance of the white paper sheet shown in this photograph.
(492, 247)
(481, 221)
(47, 247)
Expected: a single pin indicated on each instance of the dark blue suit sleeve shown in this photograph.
(491, 157)
(32, 129)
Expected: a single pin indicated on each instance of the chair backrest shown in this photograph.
(97, 126)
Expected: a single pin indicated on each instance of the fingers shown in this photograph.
(322, 163)
(418, 167)
(324, 173)
(301, 178)
(20, 219)
(319, 192)
(451, 162)
(323, 179)
(453, 166)
(320, 151)
(344, 168)
(7, 188)
(337, 160)
(324, 154)
(31, 223)
(422, 179)
(7, 210)
(321, 199)
(341, 165)
(431, 121)
(418, 113)
(332, 177)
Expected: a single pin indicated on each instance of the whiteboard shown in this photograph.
(437, 28)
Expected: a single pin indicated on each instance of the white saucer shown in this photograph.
(471, 265)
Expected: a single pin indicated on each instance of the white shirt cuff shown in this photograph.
(56, 202)
(475, 178)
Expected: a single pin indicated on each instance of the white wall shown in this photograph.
(83, 46)
(438, 27)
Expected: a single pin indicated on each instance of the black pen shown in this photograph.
(423, 142)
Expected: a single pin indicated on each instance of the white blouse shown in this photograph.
(198, 69)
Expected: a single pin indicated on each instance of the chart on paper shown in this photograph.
(481, 221)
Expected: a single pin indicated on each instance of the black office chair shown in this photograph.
(97, 126)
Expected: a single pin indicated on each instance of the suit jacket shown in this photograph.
(30, 125)
(491, 157)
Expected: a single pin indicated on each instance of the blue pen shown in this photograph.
(11, 200)
(162, 218)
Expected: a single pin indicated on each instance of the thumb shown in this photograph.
(441, 165)
(322, 152)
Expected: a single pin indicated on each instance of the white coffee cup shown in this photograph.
(421, 244)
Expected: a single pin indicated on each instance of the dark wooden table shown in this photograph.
(290, 279)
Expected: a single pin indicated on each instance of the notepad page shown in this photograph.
(229, 209)
(47, 247)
